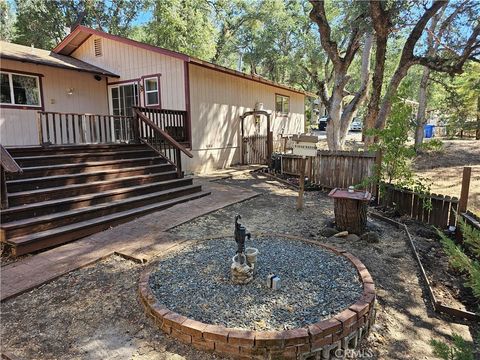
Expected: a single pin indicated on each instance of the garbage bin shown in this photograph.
(428, 131)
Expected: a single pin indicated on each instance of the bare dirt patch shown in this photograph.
(92, 313)
(444, 169)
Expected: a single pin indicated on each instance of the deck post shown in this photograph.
(39, 128)
(3, 190)
(136, 128)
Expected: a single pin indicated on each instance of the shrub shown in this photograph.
(460, 349)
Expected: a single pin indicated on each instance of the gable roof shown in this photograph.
(81, 34)
(33, 55)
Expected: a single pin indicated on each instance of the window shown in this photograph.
(18, 89)
(97, 45)
(282, 104)
(152, 95)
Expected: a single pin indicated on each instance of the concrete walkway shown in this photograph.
(140, 239)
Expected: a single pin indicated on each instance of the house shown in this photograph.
(102, 129)
(94, 72)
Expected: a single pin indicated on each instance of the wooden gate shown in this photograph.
(255, 150)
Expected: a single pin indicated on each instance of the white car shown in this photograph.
(356, 125)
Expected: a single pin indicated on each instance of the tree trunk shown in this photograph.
(350, 215)
(382, 26)
(477, 132)
(350, 111)
(335, 115)
(422, 107)
(374, 103)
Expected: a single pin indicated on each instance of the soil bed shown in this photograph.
(447, 283)
(315, 284)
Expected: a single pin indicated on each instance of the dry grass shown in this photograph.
(444, 169)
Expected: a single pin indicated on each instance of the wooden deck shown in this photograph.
(92, 172)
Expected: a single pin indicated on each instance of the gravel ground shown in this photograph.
(315, 284)
(94, 313)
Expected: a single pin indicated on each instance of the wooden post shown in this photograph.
(3, 189)
(303, 162)
(242, 144)
(269, 140)
(462, 204)
(310, 170)
(378, 173)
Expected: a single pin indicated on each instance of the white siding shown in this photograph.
(19, 127)
(217, 102)
(132, 62)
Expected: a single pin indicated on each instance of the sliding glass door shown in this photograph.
(123, 97)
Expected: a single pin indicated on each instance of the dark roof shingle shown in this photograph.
(33, 55)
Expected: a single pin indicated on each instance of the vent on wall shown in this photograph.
(97, 44)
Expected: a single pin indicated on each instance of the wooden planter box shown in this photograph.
(350, 209)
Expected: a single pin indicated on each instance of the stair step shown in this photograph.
(56, 149)
(70, 179)
(60, 235)
(86, 167)
(40, 195)
(81, 157)
(45, 222)
(48, 207)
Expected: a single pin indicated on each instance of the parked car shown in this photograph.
(356, 125)
(322, 123)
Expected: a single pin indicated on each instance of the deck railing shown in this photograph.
(173, 122)
(7, 165)
(55, 128)
(163, 130)
(160, 141)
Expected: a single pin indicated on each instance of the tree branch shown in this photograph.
(318, 16)
(448, 65)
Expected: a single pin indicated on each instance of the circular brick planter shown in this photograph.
(327, 337)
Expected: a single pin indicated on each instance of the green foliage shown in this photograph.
(433, 145)
(6, 21)
(460, 260)
(460, 349)
(396, 166)
(184, 26)
(457, 98)
(45, 23)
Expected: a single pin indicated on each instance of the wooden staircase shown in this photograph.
(67, 192)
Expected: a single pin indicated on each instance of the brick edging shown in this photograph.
(342, 331)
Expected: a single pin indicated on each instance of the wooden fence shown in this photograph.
(472, 219)
(255, 150)
(441, 213)
(334, 169)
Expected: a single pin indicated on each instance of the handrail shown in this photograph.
(164, 134)
(7, 162)
(86, 114)
(7, 165)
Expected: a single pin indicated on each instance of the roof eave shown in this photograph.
(25, 60)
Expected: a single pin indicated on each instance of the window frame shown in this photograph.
(282, 112)
(158, 105)
(13, 105)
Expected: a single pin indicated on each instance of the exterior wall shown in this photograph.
(133, 63)
(19, 126)
(217, 101)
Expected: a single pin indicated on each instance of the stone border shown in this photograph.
(343, 331)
